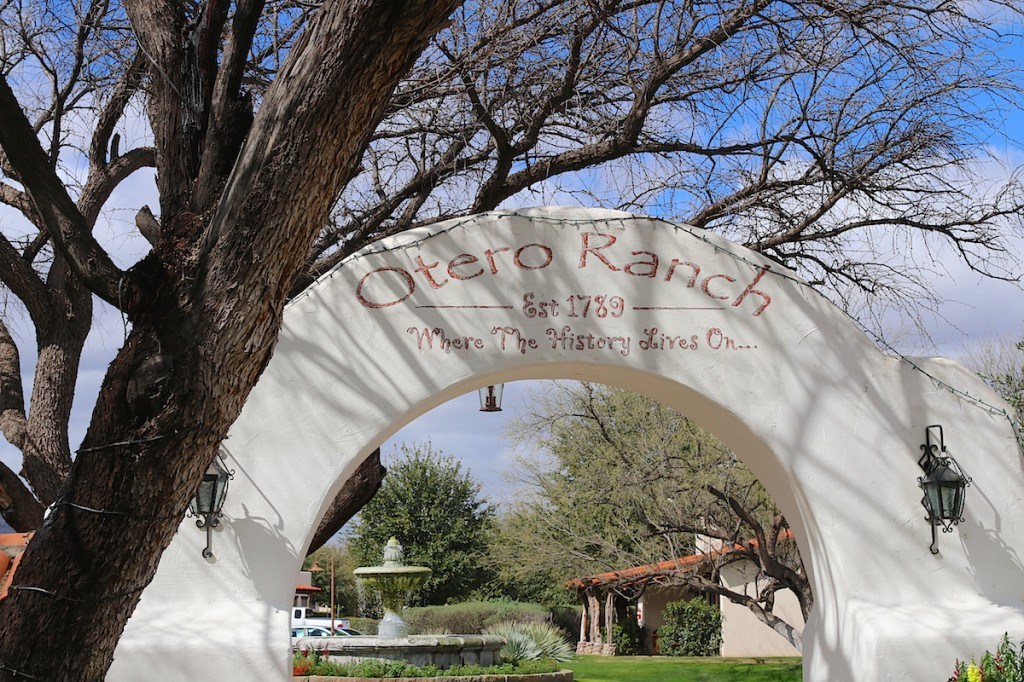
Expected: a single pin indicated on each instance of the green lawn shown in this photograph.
(664, 669)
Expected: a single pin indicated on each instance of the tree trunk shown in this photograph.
(609, 617)
(585, 618)
(206, 304)
(594, 607)
(357, 491)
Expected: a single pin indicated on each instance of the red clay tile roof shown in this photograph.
(639, 573)
(11, 547)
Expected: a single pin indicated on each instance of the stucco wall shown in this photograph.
(742, 633)
(831, 427)
(653, 603)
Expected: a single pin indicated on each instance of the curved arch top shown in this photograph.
(829, 424)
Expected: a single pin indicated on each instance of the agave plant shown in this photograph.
(531, 641)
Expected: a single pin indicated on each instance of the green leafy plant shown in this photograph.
(628, 638)
(532, 641)
(692, 628)
(1005, 665)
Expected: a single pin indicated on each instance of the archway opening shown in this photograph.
(615, 502)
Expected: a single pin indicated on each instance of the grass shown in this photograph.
(666, 669)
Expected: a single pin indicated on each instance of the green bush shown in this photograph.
(1005, 665)
(367, 626)
(692, 628)
(471, 618)
(628, 638)
(532, 641)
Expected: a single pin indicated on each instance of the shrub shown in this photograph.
(532, 641)
(367, 626)
(692, 628)
(628, 638)
(310, 663)
(471, 618)
(1005, 665)
(519, 645)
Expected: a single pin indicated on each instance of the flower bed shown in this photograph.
(312, 666)
(557, 676)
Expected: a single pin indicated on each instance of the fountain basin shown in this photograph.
(443, 651)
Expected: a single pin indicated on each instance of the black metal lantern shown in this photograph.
(944, 484)
(209, 500)
(490, 398)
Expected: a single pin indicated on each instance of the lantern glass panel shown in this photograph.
(952, 501)
(944, 492)
(202, 503)
(220, 491)
(931, 492)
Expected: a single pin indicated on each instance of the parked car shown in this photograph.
(346, 632)
(309, 631)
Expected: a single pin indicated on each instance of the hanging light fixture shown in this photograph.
(209, 500)
(944, 485)
(490, 398)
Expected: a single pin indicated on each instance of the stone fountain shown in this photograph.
(393, 580)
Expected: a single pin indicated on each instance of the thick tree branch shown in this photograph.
(102, 183)
(13, 421)
(766, 616)
(65, 223)
(112, 112)
(17, 504)
(357, 491)
(17, 274)
(231, 110)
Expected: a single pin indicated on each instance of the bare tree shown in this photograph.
(204, 304)
(813, 131)
(824, 136)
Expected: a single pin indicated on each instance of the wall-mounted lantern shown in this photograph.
(490, 398)
(209, 500)
(943, 483)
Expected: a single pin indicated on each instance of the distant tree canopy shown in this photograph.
(436, 511)
(1000, 362)
(346, 597)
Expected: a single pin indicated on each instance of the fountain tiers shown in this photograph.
(394, 581)
(443, 651)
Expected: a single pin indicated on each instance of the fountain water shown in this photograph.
(393, 580)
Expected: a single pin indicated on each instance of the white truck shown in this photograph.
(301, 615)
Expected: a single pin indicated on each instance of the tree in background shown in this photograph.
(346, 596)
(1000, 363)
(618, 480)
(435, 510)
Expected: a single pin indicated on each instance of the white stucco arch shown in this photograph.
(829, 424)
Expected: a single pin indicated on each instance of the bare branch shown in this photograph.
(65, 224)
